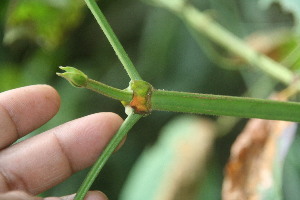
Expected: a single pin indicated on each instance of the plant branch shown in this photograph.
(225, 105)
(142, 98)
(78, 79)
(113, 40)
(109, 149)
(115, 93)
(205, 25)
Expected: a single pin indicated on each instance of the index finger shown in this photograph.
(24, 109)
(40, 162)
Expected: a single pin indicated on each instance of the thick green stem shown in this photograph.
(113, 40)
(109, 149)
(225, 105)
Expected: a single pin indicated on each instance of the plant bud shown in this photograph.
(76, 77)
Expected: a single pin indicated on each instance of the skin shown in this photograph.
(41, 162)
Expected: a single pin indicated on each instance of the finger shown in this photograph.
(20, 195)
(45, 160)
(24, 109)
(91, 195)
(17, 195)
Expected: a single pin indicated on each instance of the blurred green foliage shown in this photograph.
(44, 22)
(38, 36)
(291, 6)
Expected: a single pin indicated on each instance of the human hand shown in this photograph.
(37, 164)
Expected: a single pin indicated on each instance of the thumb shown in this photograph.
(17, 195)
(91, 195)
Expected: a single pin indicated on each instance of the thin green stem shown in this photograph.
(79, 79)
(109, 91)
(203, 24)
(215, 32)
(109, 149)
(113, 40)
(225, 105)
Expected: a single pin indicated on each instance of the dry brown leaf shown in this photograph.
(253, 156)
(268, 43)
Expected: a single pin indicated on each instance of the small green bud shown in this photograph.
(76, 77)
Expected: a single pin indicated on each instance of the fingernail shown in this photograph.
(95, 195)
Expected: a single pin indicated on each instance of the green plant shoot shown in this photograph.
(141, 98)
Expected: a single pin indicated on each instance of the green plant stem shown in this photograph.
(206, 26)
(122, 95)
(109, 149)
(215, 32)
(79, 79)
(225, 105)
(113, 40)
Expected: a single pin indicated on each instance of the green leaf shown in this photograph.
(45, 22)
(10, 77)
(175, 164)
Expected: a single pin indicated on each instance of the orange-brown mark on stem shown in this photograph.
(141, 100)
(139, 104)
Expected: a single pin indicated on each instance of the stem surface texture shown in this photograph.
(225, 105)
